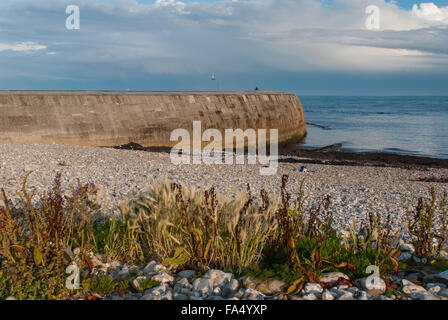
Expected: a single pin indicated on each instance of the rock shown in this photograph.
(362, 295)
(271, 287)
(376, 288)
(443, 277)
(336, 292)
(407, 247)
(186, 274)
(326, 295)
(153, 267)
(183, 282)
(434, 288)
(240, 293)
(309, 296)
(114, 265)
(333, 277)
(346, 296)
(408, 287)
(158, 290)
(252, 294)
(248, 282)
(217, 291)
(136, 283)
(231, 288)
(353, 289)
(161, 292)
(203, 285)
(419, 260)
(132, 296)
(423, 296)
(10, 298)
(342, 287)
(312, 288)
(218, 277)
(268, 287)
(77, 251)
(163, 278)
(443, 293)
(405, 256)
(123, 273)
(95, 260)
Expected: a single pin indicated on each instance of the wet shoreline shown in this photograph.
(291, 153)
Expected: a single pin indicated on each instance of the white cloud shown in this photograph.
(431, 12)
(232, 36)
(22, 47)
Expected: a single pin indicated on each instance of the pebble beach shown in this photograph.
(354, 190)
(120, 174)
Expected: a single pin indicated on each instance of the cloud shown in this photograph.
(431, 13)
(22, 47)
(124, 38)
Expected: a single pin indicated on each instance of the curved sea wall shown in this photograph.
(94, 118)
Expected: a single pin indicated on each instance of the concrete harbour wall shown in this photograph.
(102, 118)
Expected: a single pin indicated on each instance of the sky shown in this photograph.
(308, 47)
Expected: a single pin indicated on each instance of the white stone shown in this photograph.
(346, 296)
(326, 295)
(252, 294)
(161, 292)
(410, 288)
(362, 295)
(332, 277)
(204, 286)
(163, 278)
(407, 247)
(153, 267)
(309, 296)
(218, 277)
(312, 288)
(423, 296)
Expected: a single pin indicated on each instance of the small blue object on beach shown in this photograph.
(303, 169)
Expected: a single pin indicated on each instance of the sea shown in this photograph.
(403, 125)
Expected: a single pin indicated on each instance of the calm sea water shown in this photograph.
(407, 125)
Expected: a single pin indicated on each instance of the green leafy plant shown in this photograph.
(34, 237)
(421, 224)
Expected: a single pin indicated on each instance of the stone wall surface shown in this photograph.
(97, 118)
